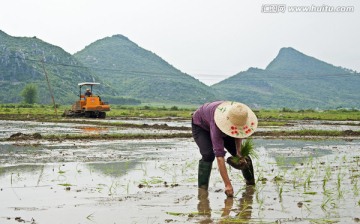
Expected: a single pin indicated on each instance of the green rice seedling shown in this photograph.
(338, 185)
(310, 162)
(310, 192)
(125, 187)
(100, 187)
(297, 175)
(326, 178)
(308, 180)
(127, 164)
(259, 187)
(90, 217)
(245, 207)
(327, 192)
(112, 188)
(294, 181)
(328, 172)
(261, 202)
(318, 168)
(188, 166)
(355, 187)
(280, 192)
(60, 171)
(325, 203)
(247, 148)
(144, 170)
(324, 181)
(344, 159)
(148, 183)
(128, 187)
(307, 207)
(77, 169)
(280, 161)
(323, 221)
(156, 180)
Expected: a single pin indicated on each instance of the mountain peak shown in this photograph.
(291, 61)
(120, 37)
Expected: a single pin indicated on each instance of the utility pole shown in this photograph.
(48, 83)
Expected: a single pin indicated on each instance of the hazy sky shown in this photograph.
(208, 39)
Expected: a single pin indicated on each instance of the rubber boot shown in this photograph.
(248, 172)
(204, 174)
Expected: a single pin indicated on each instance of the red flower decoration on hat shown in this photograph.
(234, 130)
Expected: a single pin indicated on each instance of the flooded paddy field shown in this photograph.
(155, 181)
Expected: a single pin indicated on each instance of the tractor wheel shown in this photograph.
(88, 114)
(102, 115)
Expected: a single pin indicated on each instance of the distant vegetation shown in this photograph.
(30, 93)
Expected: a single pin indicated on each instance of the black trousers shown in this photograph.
(203, 140)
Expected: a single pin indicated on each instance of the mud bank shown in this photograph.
(157, 128)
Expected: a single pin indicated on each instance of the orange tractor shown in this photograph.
(88, 105)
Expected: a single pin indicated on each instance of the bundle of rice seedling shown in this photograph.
(247, 148)
(247, 151)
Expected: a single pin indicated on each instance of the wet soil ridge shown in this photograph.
(260, 134)
(22, 136)
(36, 136)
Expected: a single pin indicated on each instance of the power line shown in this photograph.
(292, 77)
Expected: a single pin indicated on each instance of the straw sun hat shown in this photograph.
(235, 119)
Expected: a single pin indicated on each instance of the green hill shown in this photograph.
(141, 74)
(25, 60)
(292, 62)
(294, 80)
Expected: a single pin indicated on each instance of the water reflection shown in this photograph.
(21, 169)
(94, 129)
(114, 169)
(243, 209)
(287, 153)
(204, 206)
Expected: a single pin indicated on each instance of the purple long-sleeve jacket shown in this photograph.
(204, 118)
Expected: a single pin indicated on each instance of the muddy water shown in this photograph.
(291, 125)
(8, 128)
(155, 181)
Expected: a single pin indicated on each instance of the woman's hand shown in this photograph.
(229, 191)
(223, 173)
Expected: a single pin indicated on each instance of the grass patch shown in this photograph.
(268, 117)
(316, 133)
